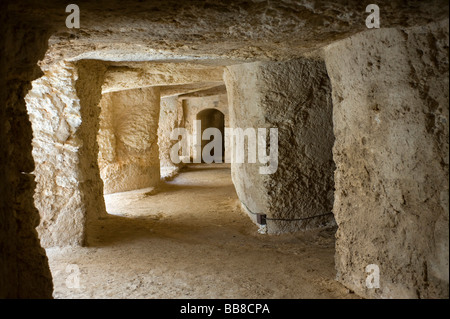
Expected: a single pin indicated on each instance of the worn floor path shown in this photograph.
(190, 240)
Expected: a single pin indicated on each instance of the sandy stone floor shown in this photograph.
(190, 240)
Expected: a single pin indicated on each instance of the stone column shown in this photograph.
(295, 98)
(390, 97)
(63, 109)
(168, 120)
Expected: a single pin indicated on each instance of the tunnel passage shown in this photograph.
(211, 118)
(390, 114)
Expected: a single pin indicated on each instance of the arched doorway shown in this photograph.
(212, 118)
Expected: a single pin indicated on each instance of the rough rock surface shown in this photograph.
(24, 271)
(246, 111)
(186, 89)
(390, 96)
(129, 154)
(62, 106)
(168, 245)
(88, 88)
(54, 112)
(216, 90)
(125, 76)
(295, 98)
(240, 30)
(168, 120)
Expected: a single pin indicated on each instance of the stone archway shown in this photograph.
(212, 118)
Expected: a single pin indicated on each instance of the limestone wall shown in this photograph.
(63, 110)
(55, 116)
(294, 97)
(390, 97)
(129, 153)
(168, 120)
(390, 121)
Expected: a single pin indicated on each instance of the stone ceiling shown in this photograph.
(219, 32)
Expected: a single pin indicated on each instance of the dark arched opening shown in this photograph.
(212, 118)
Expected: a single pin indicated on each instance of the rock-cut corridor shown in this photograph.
(226, 149)
(190, 240)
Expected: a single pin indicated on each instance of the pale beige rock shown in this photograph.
(68, 184)
(295, 98)
(124, 76)
(390, 95)
(238, 30)
(88, 86)
(390, 114)
(186, 89)
(216, 90)
(52, 102)
(246, 111)
(168, 121)
(129, 155)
